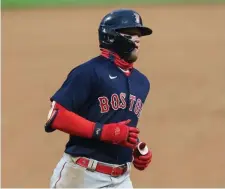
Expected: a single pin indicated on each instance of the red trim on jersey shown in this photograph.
(117, 60)
(127, 73)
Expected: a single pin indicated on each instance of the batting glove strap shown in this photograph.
(97, 131)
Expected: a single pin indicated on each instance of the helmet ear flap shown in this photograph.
(113, 40)
(106, 36)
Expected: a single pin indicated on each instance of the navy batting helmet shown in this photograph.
(112, 23)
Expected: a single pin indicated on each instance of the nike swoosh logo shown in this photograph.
(112, 77)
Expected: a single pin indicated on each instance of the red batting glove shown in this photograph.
(120, 134)
(140, 161)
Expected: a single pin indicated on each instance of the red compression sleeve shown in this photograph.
(71, 123)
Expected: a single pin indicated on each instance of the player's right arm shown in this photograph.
(116, 133)
(72, 95)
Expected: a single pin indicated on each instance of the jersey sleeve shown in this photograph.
(76, 89)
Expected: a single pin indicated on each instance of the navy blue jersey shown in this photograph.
(100, 91)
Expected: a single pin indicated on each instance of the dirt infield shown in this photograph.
(183, 119)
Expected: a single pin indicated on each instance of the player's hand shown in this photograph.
(120, 133)
(142, 156)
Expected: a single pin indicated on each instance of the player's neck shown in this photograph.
(125, 66)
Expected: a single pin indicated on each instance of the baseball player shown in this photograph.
(99, 105)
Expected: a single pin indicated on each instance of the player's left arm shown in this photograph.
(142, 155)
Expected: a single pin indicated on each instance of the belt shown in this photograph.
(93, 165)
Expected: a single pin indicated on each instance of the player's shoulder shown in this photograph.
(142, 78)
(86, 68)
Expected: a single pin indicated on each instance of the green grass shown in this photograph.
(54, 3)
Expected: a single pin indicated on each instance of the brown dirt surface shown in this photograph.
(183, 120)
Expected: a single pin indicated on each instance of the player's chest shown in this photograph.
(119, 92)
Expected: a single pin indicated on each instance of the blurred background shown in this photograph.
(183, 119)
